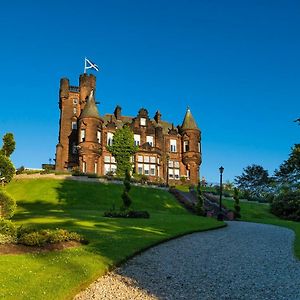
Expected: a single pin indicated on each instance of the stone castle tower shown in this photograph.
(166, 153)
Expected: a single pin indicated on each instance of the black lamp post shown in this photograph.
(220, 215)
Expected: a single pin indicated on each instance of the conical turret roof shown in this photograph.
(189, 121)
(90, 108)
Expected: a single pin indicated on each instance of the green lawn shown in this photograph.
(50, 203)
(259, 213)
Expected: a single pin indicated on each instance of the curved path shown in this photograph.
(241, 261)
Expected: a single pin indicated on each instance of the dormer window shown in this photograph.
(143, 121)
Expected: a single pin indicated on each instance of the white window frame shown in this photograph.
(99, 136)
(96, 168)
(109, 138)
(185, 146)
(137, 139)
(150, 140)
(74, 125)
(173, 145)
(143, 121)
(84, 167)
(82, 135)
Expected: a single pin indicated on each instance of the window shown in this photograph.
(152, 159)
(146, 169)
(75, 101)
(199, 147)
(110, 137)
(140, 158)
(187, 174)
(143, 121)
(96, 168)
(137, 139)
(152, 170)
(74, 111)
(109, 164)
(149, 139)
(140, 169)
(82, 135)
(84, 167)
(74, 148)
(185, 146)
(173, 145)
(99, 136)
(174, 172)
(146, 159)
(74, 125)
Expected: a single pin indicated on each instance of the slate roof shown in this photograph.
(189, 121)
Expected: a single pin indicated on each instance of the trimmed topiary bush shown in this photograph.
(7, 169)
(7, 205)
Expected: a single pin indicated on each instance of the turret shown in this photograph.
(191, 146)
(87, 83)
(90, 137)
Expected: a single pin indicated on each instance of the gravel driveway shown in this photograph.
(241, 261)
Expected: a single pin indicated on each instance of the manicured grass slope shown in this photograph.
(79, 206)
(260, 213)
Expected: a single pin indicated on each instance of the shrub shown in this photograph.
(127, 214)
(8, 228)
(47, 236)
(6, 239)
(20, 170)
(7, 205)
(76, 172)
(287, 205)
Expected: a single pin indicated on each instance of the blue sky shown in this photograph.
(235, 63)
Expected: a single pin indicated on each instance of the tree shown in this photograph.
(7, 169)
(255, 180)
(9, 145)
(288, 174)
(122, 149)
(7, 205)
(237, 207)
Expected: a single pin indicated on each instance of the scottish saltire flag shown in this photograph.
(89, 65)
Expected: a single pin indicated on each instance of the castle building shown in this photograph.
(166, 153)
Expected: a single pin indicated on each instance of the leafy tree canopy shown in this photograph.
(9, 145)
(255, 180)
(289, 171)
(122, 149)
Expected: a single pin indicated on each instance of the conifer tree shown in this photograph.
(9, 145)
(237, 207)
(200, 201)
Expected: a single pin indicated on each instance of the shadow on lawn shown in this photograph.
(77, 208)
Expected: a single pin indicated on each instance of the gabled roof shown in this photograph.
(90, 109)
(188, 121)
